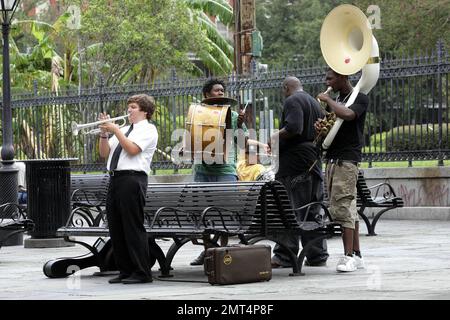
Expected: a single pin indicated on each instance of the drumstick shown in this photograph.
(245, 108)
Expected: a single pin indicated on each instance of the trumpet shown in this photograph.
(76, 128)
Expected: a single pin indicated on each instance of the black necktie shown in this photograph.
(116, 154)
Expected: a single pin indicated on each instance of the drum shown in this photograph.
(206, 130)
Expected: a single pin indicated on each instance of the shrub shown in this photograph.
(411, 137)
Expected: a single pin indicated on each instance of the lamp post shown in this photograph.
(8, 171)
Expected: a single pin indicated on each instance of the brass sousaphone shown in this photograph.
(348, 45)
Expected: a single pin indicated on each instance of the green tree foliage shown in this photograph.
(139, 39)
(291, 29)
(216, 53)
(43, 52)
(411, 26)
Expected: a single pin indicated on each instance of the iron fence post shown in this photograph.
(439, 51)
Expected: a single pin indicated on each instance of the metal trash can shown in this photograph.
(8, 194)
(48, 186)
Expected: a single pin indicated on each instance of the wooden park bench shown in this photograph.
(13, 221)
(381, 195)
(199, 213)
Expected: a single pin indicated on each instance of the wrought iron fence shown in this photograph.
(408, 113)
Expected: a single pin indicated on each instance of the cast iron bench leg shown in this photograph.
(166, 266)
(100, 255)
(377, 217)
(370, 228)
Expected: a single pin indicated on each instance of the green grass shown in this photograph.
(162, 172)
(404, 164)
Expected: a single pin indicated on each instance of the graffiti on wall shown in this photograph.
(424, 195)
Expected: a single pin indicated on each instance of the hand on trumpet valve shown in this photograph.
(103, 116)
(107, 127)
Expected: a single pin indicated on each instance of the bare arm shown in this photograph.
(341, 111)
(129, 146)
(103, 145)
(259, 144)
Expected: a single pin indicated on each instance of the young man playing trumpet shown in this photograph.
(129, 152)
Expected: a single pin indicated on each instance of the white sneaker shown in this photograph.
(359, 262)
(346, 264)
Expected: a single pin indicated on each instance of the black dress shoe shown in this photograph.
(199, 260)
(119, 278)
(134, 278)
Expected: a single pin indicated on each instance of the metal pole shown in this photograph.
(8, 171)
(237, 37)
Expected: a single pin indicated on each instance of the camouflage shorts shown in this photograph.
(341, 186)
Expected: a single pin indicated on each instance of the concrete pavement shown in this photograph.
(407, 260)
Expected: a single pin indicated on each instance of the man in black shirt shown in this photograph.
(341, 172)
(299, 168)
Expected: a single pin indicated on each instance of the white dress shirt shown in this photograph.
(145, 136)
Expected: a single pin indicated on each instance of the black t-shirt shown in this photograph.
(298, 152)
(349, 140)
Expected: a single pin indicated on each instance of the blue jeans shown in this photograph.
(22, 197)
(201, 177)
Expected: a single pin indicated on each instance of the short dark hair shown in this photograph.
(207, 87)
(145, 102)
(336, 73)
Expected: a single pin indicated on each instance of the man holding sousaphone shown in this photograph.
(347, 46)
(342, 160)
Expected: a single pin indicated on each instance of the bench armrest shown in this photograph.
(380, 187)
(316, 217)
(79, 217)
(87, 196)
(16, 216)
(234, 216)
(159, 220)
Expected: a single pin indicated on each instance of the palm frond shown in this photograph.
(215, 8)
(214, 35)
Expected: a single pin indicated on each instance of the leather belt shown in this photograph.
(339, 162)
(117, 173)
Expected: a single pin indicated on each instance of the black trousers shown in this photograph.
(125, 211)
(302, 189)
